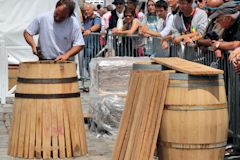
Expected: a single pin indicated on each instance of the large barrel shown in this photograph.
(47, 117)
(12, 75)
(195, 119)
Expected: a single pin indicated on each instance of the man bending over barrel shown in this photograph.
(60, 37)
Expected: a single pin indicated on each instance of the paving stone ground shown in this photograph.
(100, 148)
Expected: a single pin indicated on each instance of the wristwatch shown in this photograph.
(217, 44)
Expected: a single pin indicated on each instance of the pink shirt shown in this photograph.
(105, 20)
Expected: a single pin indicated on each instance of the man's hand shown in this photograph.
(215, 45)
(218, 53)
(114, 31)
(63, 57)
(86, 32)
(187, 40)
(144, 29)
(146, 35)
(235, 54)
(34, 50)
(164, 44)
(234, 58)
(177, 40)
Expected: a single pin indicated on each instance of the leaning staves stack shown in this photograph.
(47, 117)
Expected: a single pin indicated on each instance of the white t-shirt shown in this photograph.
(55, 38)
(166, 26)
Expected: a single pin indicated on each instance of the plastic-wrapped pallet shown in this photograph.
(108, 89)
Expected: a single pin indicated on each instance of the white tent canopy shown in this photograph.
(15, 16)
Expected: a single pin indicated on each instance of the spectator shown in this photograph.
(229, 18)
(130, 27)
(117, 14)
(106, 17)
(131, 24)
(59, 33)
(132, 4)
(152, 23)
(214, 30)
(173, 4)
(141, 13)
(99, 10)
(165, 28)
(92, 23)
(189, 22)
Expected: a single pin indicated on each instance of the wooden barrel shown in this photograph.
(47, 116)
(195, 119)
(12, 75)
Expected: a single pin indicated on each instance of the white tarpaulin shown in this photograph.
(15, 16)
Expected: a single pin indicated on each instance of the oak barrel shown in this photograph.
(47, 114)
(195, 118)
(12, 75)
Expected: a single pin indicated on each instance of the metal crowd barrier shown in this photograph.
(112, 45)
(97, 45)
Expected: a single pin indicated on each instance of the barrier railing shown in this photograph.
(97, 45)
(112, 45)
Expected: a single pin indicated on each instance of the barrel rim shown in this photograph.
(47, 62)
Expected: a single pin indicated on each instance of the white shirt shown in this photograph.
(55, 38)
(166, 26)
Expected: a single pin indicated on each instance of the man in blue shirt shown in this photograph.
(91, 23)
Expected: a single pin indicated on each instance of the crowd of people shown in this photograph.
(200, 23)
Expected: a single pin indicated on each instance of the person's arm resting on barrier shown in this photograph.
(225, 45)
(131, 31)
(96, 26)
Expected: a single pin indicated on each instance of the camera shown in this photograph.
(212, 35)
